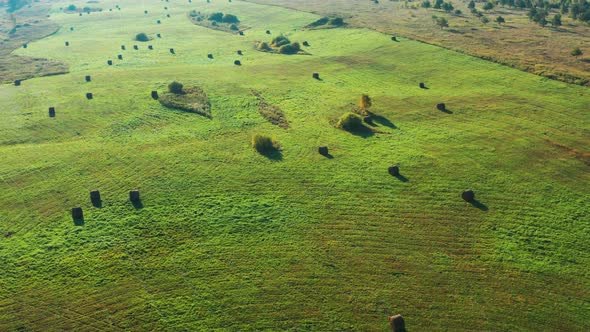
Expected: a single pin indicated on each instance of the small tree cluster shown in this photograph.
(142, 37)
(176, 88)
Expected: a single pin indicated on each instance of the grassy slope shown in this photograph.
(231, 240)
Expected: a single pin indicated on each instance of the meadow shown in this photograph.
(230, 240)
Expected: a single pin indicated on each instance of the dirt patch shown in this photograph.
(580, 155)
(271, 113)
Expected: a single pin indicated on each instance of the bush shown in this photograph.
(280, 41)
(321, 21)
(290, 48)
(142, 37)
(337, 21)
(234, 27)
(229, 18)
(175, 87)
(263, 46)
(350, 121)
(217, 17)
(264, 144)
(72, 7)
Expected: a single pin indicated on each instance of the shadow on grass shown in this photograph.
(383, 121)
(275, 155)
(362, 131)
(79, 221)
(479, 205)
(97, 204)
(402, 178)
(448, 111)
(137, 204)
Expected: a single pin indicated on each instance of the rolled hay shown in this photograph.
(394, 38)
(316, 76)
(52, 112)
(120, 57)
(150, 47)
(17, 83)
(145, 11)
(268, 32)
(305, 43)
(123, 47)
(67, 43)
(135, 47)
(237, 63)
(210, 56)
(155, 95)
(89, 95)
(323, 150)
(110, 62)
(71, 28)
(422, 85)
(158, 21)
(240, 52)
(441, 107)
(134, 196)
(77, 213)
(159, 35)
(80, 14)
(241, 33)
(397, 323)
(393, 170)
(25, 45)
(167, 15)
(172, 51)
(88, 78)
(468, 195)
(95, 197)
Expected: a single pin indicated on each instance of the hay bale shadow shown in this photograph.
(137, 204)
(402, 178)
(79, 221)
(479, 205)
(448, 111)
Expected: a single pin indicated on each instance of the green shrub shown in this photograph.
(175, 87)
(234, 27)
(229, 18)
(350, 121)
(280, 41)
(263, 46)
(142, 37)
(72, 7)
(321, 21)
(264, 144)
(338, 21)
(216, 17)
(290, 48)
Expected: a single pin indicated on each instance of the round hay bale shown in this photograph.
(71, 28)
(397, 323)
(135, 47)
(95, 197)
(110, 62)
(167, 15)
(67, 43)
(52, 112)
(88, 78)
(159, 22)
(210, 56)
(237, 63)
(123, 47)
(240, 52)
(394, 38)
(25, 45)
(150, 47)
(422, 85)
(268, 32)
(172, 51)
(468, 195)
(145, 12)
(77, 213)
(316, 76)
(393, 170)
(241, 33)
(323, 150)
(159, 35)
(80, 14)
(89, 95)
(305, 43)
(441, 107)
(120, 57)
(155, 95)
(17, 83)
(134, 196)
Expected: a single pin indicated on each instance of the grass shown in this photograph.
(193, 99)
(228, 239)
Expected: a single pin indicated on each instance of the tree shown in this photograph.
(176, 88)
(350, 121)
(438, 4)
(426, 4)
(576, 52)
(142, 37)
(471, 4)
(485, 20)
(488, 6)
(229, 18)
(72, 8)
(216, 17)
(500, 20)
(365, 102)
(442, 22)
(447, 7)
(556, 21)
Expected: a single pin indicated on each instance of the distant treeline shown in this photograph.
(14, 5)
(576, 9)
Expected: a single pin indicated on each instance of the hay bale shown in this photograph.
(89, 95)
(25, 45)
(52, 112)
(422, 85)
(77, 213)
(441, 107)
(172, 51)
(397, 323)
(120, 57)
(17, 83)
(167, 15)
(123, 47)
(80, 14)
(135, 47)
(240, 52)
(393, 170)
(468, 195)
(155, 95)
(305, 43)
(210, 56)
(241, 33)
(237, 63)
(150, 47)
(268, 32)
(323, 150)
(159, 35)
(394, 38)
(88, 78)
(145, 12)
(67, 43)
(95, 197)
(110, 62)
(316, 76)
(71, 28)
(134, 196)
(159, 22)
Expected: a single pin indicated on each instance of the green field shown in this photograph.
(231, 240)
